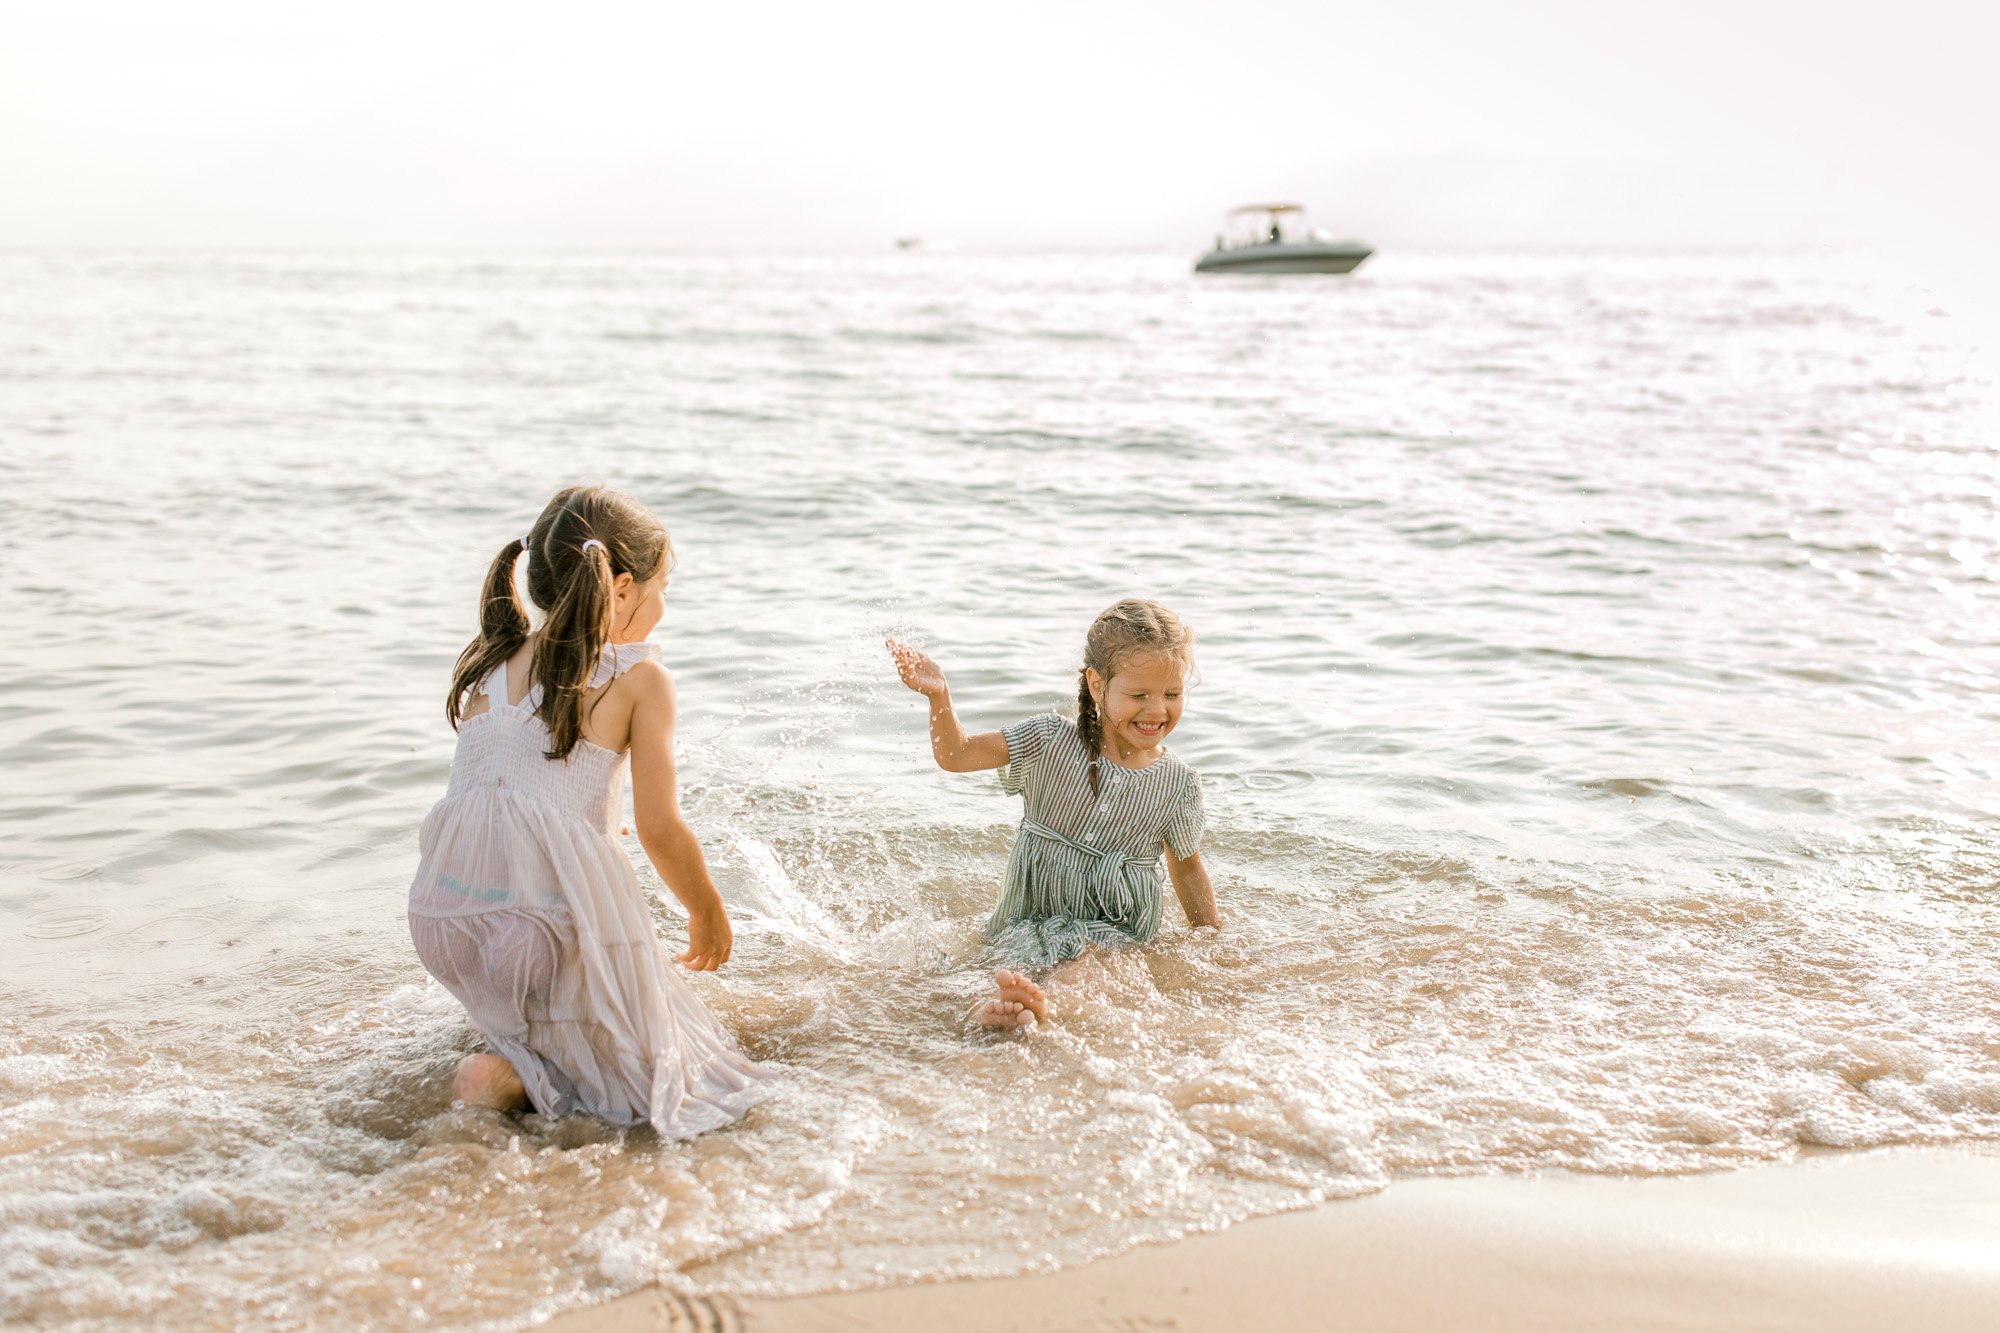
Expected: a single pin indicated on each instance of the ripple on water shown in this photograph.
(178, 928)
(1271, 780)
(63, 923)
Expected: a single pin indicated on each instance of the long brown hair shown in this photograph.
(585, 538)
(1131, 628)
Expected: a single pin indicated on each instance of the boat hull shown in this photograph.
(1284, 257)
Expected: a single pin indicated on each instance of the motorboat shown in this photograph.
(1275, 238)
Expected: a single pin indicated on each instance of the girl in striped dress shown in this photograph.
(1103, 798)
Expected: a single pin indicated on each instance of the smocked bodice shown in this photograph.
(503, 751)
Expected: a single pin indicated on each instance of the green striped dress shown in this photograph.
(1085, 868)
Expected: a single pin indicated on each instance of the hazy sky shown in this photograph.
(814, 125)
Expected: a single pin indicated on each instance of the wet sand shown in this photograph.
(1901, 1238)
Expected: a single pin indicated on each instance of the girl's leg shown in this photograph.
(519, 956)
(488, 1081)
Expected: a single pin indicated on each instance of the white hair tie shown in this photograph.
(592, 541)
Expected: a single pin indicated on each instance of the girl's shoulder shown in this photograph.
(1056, 724)
(1190, 779)
(1039, 729)
(1173, 779)
(1043, 733)
(1174, 771)
(1038, 746)
(619, 658)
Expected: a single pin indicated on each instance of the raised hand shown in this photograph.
(954, 751)
(917, 670)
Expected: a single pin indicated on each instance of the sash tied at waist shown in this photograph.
(1116, 896)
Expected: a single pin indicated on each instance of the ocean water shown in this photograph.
(1598, 721)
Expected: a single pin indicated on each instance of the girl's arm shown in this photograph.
(1191, 886)
(954, 750)
(656, 808)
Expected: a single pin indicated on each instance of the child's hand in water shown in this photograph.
(918, 671)
(709, 941)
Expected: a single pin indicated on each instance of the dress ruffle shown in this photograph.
(619, 658)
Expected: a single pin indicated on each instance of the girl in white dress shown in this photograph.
(525, 905)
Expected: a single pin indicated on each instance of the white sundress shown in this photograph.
(526, 907)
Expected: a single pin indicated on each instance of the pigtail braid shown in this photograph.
(1089, 726)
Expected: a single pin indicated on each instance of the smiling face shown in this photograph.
(1139, 704)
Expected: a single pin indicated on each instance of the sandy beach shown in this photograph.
(1899, 1238)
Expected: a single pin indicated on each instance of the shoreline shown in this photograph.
(1883, 1238)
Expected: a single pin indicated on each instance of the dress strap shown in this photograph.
(494, 687)
(619, 658)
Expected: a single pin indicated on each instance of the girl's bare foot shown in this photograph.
(488, 1081)
(1020, 1003)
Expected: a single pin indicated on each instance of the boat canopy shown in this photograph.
(1267, 208)
(1261, 224)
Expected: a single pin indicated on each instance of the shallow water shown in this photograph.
(1599, 659)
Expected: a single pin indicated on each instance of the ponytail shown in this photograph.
(567, 649)
(503, 628)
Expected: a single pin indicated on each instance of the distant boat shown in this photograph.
(1274, 238)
